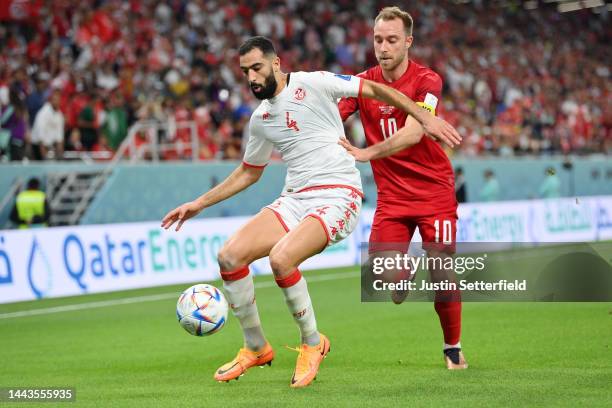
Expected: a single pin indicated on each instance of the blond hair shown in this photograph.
(391, 13)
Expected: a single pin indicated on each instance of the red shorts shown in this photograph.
(394, 226)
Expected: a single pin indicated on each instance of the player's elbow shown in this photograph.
(250, 174)
(371, 89)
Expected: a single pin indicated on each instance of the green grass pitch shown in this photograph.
(137, 355)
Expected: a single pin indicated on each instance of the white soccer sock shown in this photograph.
(241, 294)
(449, 346)
(300, 306)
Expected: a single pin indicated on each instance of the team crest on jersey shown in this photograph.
(265, 116)
(386, 109)
(299, 94)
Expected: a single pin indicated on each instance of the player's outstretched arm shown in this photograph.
(240, 179)
(404, 138)
(433, 126)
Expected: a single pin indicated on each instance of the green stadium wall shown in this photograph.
(145, 192)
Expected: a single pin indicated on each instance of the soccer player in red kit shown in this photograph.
(414, 177)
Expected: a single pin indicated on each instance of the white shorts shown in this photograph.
(336, 208)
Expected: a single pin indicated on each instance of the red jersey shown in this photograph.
(417, 175)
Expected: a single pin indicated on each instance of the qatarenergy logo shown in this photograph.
(85, 261)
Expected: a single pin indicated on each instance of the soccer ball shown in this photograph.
(202, 310)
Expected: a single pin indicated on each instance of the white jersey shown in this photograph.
(303, 123)
(48, 126)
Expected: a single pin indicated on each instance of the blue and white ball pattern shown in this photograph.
(202, 310)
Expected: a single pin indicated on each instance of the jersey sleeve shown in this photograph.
(429, 92)
(349, 105)
(258, 149)
(337, 86)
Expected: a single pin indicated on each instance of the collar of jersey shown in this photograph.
(277, 97)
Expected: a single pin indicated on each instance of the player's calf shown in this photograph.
(298, 301)
(399, 295)
(240, 292)
(388, 266)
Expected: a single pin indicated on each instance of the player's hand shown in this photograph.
(361, 155)
(181, 214)
(441, 130)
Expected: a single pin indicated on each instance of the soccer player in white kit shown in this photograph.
(319, 205)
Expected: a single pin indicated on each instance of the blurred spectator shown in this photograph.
(460, 186)
(36, 99)
(102, 149)
(31, 207)
(6, 111)
(551, 186)
(490, 189)
(14, 129)
(87, 122)
(19, 127)
(116, 121)
(48, 129)
(74, 140)
(517, 81)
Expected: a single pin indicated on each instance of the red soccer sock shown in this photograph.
(236, 274)
(289, 280)
(448, 307)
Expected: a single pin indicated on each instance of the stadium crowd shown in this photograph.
(516, 81)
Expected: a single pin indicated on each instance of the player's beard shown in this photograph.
(266, 91)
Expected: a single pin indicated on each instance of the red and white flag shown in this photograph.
(19, 10)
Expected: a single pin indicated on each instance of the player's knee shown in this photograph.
(280, 263)
(228, 258)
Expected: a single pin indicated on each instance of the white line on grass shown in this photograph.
(151, 298)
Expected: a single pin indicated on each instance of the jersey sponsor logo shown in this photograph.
(265, 116)
(386, 109)
(345, 77)
(291, 124)
(299, 94)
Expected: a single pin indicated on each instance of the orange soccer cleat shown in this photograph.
(244, 360)
(308, 362)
